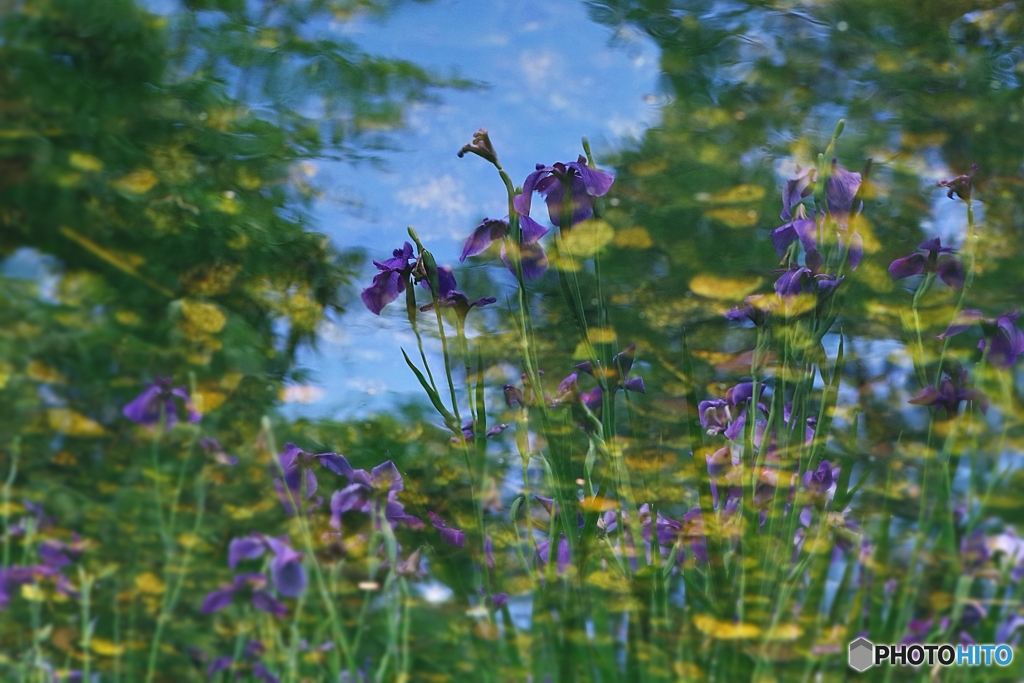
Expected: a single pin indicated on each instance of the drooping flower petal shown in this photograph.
(261, 673)
(840, 191)
(145, 408)
(217, 600)
(158, 400)
(531, 229)
(907, 266)
(793, 281)
(951, 271)
(564, 559)
(521, 202)
(394, 513)
(51, 553)
(217, 665)
(595, 182)
(335, 463)
(534, 260)
(623, 360)
(286, 570)
(554, 195)
(803, 230)
(963, 322)
(450, 536)
(245, 548)
(796, 189)
(496, 429)
(485, 234)
(386, 287)
(352, 497)
(635, 384)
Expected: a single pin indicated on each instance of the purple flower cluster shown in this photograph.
(950, 393)
(840, 194)
(251, 659)
(372, 492)
(287, 575)
(158, 401)
(1001, 337)
(576, 179)
(54, 556)
(936, 259)
(397, 272)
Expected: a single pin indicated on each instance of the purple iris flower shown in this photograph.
(460, 302)
(1004, 341)
(219, 664)
(11, 580)
(530, 254)
(297, 465)
(393, 278)
(377, 489)
(820, 481)
(803, 280)
(960, 185)
(56, 554)
(514, 396)
(562, 555)
(803, 229)
(937, 260)
(755, 308)
(617, 376)
(953, 390)
(261, 673)
(261, 598)
(468, 435)
(666, 529)
(840, 193)
(728, 415)
(796, 188)
(449, 535)
(584, 182)
(286, 570)
(499, 600)
(158, 398)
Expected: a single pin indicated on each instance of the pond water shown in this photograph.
(753, 395)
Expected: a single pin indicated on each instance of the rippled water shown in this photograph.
(198, 191)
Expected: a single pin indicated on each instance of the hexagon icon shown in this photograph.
(862, 654)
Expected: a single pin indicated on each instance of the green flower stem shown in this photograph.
(171, 598)
(968, 261)
(85, 582)
(411, 309)
(5, 500)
